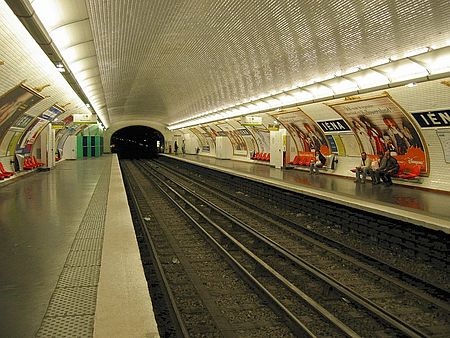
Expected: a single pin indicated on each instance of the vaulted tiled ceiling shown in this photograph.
(165, 60)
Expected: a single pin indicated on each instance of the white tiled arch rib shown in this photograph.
(69, 27)
(166, 60)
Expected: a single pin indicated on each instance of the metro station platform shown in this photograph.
(69, 261)
(424, 208)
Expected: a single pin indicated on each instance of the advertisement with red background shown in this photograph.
(380, 124)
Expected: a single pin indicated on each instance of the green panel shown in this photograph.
(97, 146)
(88, 146)
(79, 146)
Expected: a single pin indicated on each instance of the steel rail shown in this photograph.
(386, 316)
(176, 316)
(434, 293)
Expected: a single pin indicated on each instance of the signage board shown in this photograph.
(85, 118)
(251, 120)
(334, 126)
(433, 119)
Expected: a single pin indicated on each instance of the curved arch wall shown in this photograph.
(23, 62)
(389, 113)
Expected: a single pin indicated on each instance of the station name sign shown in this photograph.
(334, 126)
(251, 120)
(433, 119)
(85, 118)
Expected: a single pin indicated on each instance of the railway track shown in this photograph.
(202, 295)
(300, 226)
(323, 292)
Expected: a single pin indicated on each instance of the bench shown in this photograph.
(3, 173)
(30, 163)
(261, 157)
(304, 160)
(407, 172)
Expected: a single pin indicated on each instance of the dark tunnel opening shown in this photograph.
(137, 142)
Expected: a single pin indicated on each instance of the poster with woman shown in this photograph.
(306, 134)
(380, 124)
(13, 104)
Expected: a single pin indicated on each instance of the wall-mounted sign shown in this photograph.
(251, 120)
(334, 148)
(85, 118)
(433, 119)
(333, 126)
(273, 127)
(444, 137)
(51, 113)
(58, 125)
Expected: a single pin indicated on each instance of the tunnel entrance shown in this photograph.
(137, 142)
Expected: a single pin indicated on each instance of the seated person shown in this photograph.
(363, 169)
(318, 162)
(374, 167)
(389, 166)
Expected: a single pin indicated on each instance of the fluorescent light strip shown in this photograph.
(415, 66)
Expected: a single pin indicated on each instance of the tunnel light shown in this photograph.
(369, 79)
(415, 52)
(60, 67)
(341, 86)
(403, 70)
(319, 91)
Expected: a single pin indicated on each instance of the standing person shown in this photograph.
(390, 167)
(363, 169)
(175, 147)
(317, 163)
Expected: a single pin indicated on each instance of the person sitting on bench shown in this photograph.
(388, 168)
(317, 163)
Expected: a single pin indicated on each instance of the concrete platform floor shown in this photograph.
(53, 228)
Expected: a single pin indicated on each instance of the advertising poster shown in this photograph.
(14, 104)
(201, 139)
(380, 124)
(261, 137)
(13, 135)
(30, 136)
(249, 140)
(306, 134)
(51, 113)
(210, 134)
(62, 134)
(236, 139)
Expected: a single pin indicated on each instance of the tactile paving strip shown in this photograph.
(72, 301)
(72, 307)
(79, 276)
(67, 326)
(84, 258)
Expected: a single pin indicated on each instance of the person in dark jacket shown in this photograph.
(317, 163)
(388, 168)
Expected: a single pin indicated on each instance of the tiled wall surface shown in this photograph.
(24, 61)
